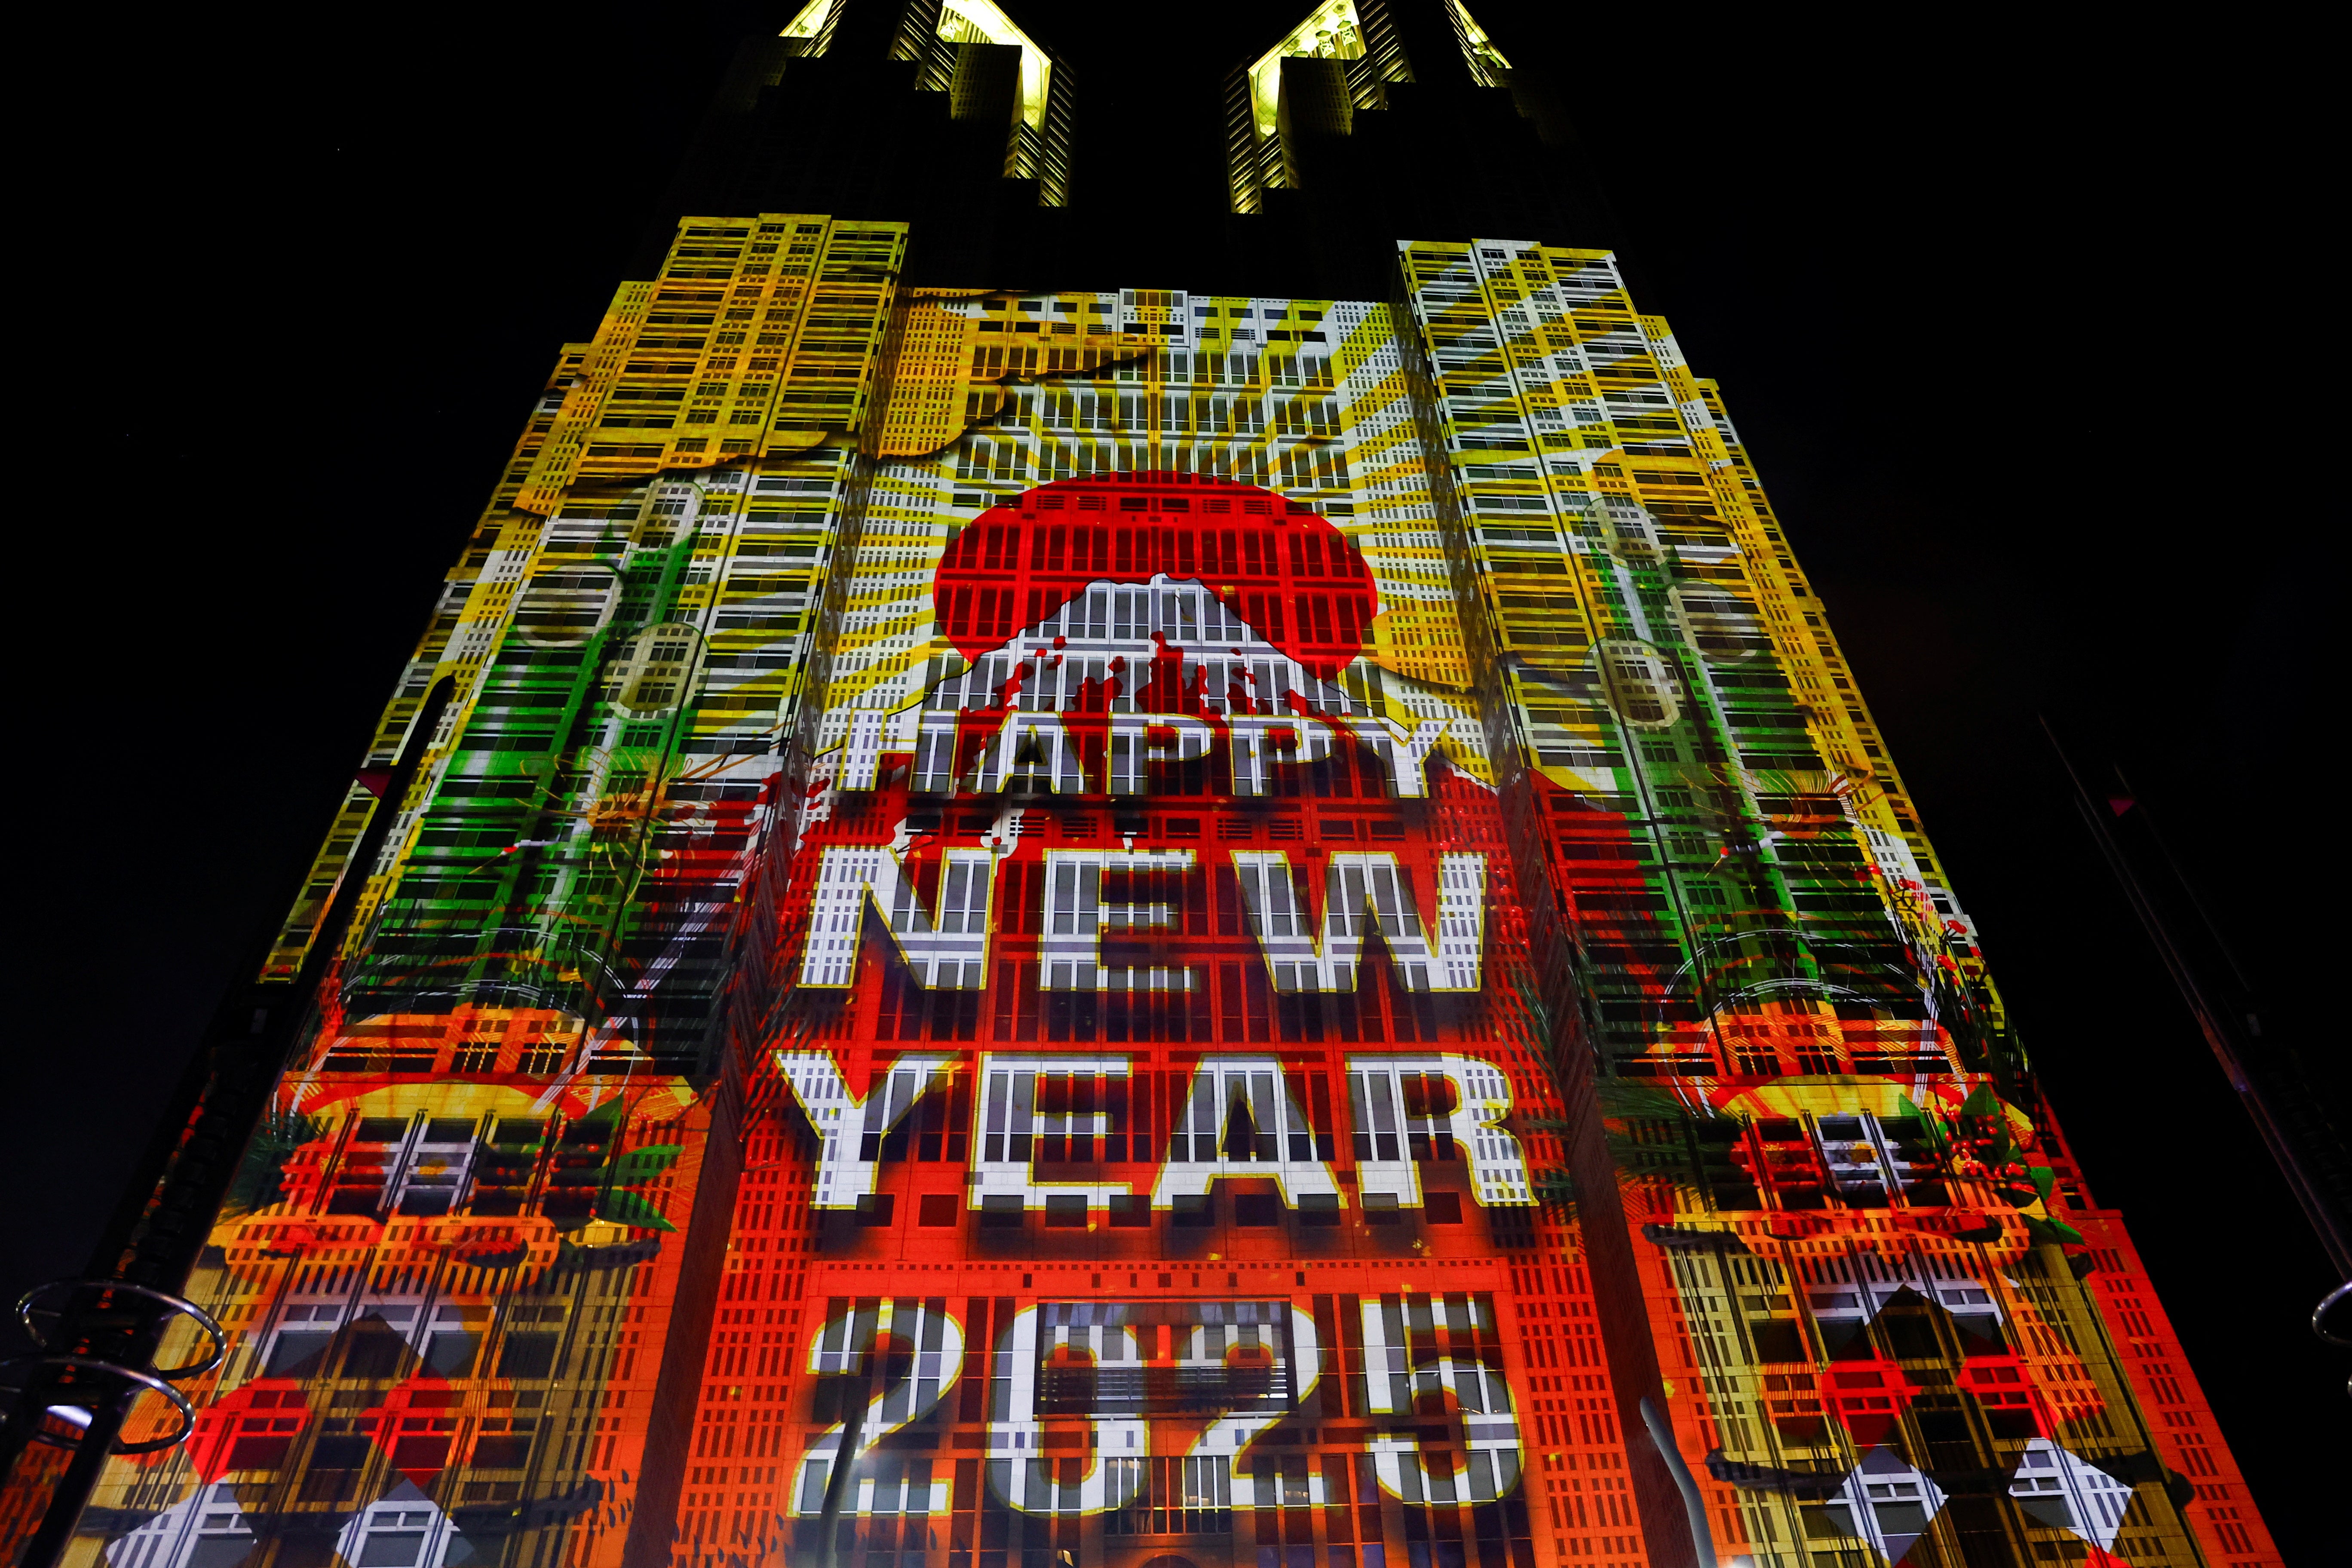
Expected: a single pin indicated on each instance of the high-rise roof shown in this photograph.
(1363, 120)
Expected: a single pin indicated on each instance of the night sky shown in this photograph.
(2020, 325)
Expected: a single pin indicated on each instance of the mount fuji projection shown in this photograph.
(1123, 675)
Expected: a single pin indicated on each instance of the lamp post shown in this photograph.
(98, 1357)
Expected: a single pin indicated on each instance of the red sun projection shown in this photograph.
(1278, 564)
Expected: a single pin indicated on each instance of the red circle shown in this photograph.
(1279, 565)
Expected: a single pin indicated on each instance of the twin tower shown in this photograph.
(1221, 907)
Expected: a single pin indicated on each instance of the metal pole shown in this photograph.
(1662, 1433)
(102, 1347)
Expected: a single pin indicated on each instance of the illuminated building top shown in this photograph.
(1143, 926)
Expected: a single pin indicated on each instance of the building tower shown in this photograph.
(1119, 925)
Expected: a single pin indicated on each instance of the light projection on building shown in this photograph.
(1144, 928)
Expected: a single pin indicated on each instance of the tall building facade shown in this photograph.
(1146, 928)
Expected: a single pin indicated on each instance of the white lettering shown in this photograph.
(1239, 1118)
(1023, 1098)
(1034, 749)
(1255, 740)
(1024, 1345)
(1408, 766)
(1077, 917)
(842, 1347)
(1365, 895)
(1401, 1374)
(1441, 1095)
(946, 949)
(1132, 752)
(1229, 1435)
(849, 1128)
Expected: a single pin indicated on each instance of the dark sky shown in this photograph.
(2024, 327)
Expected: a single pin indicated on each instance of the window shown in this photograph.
(260, 1452)
(297, 1353)
(450, 1352)
(434, 1170)
(1257, 1209)
(422, 1453)
(373, 1350)
(503, 1452)
(392, 1549)
(937, 1210)
(527, 1355)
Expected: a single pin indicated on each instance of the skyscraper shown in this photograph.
(1143, 926)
